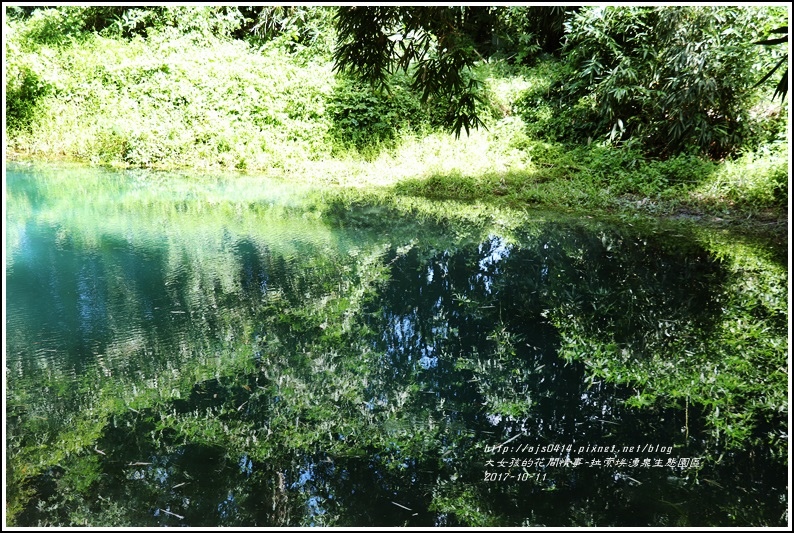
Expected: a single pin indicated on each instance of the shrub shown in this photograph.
(25, 88)
(665, 78)
(362, 117)
(27, 82)
(51, 27)
(296, 28)
(523, 33)
(56, 26)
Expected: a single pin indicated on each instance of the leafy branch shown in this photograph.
(374, 42)
(782, 85)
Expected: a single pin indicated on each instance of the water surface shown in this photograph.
(207, 351)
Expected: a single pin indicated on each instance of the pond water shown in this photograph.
(207, 351)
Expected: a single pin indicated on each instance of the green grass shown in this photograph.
(171, 101)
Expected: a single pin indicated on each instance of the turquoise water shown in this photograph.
(208, 351)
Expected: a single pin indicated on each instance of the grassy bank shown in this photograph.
(188, 100)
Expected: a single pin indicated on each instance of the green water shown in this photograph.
(206, 351)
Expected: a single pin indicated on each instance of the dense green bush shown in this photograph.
(61, 25)
(667, 79)
(625, 170)
(302, 30)
(24, 90)
(50, 26)
(27, 82)
(523, 33)
(362, 117)
(553, 119)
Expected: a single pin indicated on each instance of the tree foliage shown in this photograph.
(665, 79)
(782, 86)
(429, 43)
(668, 80)
(523, 32)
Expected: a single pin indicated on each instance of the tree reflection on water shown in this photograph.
(251, 366)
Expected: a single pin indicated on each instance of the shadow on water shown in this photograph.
(233, 363)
